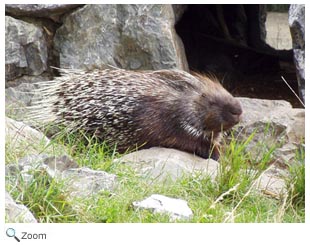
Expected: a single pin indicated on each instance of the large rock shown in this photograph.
(164, 164)
(17, 213)
(277, 112)
(274, 123)
(25, 49)
(52, 11)
(297, 25)
(127, 36)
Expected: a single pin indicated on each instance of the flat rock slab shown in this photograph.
(84, 182)
(17, 213)
(164, 163)
(177, 209)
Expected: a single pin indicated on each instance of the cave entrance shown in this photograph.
(228, 41)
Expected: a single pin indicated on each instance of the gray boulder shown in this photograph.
(297, 26)
(274, 122)
(25, 49)
(164, 164)
(128, 36)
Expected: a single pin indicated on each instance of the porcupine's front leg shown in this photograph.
(198, 146)
(207, 150)
(215, 152)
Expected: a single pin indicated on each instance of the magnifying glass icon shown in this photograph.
(10, 232)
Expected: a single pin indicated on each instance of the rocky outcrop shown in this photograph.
(39, 36)
(127, 36)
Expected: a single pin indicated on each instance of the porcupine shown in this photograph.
(141, 109)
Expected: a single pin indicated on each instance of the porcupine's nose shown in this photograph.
(232, 116)
(237, 115)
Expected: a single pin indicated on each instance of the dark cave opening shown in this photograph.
(228, 41)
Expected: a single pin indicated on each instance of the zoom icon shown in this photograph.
(10, 232)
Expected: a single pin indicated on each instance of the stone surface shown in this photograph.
(56, 165)
(79, 182)
(177, 209)
(274, 122)
(127, 36)
(17, 99)
(25, 80)
(164, 164)
(17, 213)
(85, 182)
(25, 49)
(26, 168)
(178, 10)
(39, 10)
(278, 31)
(297, 26)
(272, 181)
(21, 137)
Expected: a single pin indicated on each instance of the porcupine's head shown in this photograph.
(218, 109)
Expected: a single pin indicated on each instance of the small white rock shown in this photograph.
(176, 208)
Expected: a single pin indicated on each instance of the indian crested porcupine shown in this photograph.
(141, 109)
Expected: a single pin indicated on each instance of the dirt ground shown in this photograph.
(259, 86)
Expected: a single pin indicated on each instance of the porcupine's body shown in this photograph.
(132, 109)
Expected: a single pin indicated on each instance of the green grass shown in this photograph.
(230, 198)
